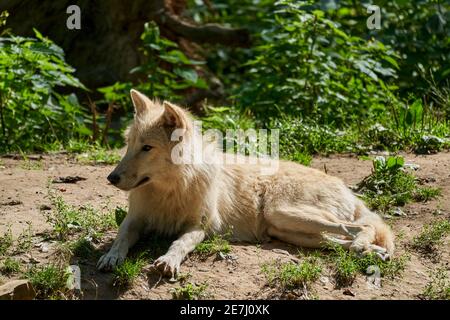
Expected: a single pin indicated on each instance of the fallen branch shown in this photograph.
(207, 33)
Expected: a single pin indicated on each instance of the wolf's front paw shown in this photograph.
(109, 261)
(168, 265)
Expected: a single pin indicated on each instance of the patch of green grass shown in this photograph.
(6, 241)
(303, 137)
(119, 215)
(190, 291)
(213, 245)
(67, 220)
(347, 265)
(391, 185)
(300, 157)
(88, 153)
(29, 164)
(49, 281)
(32, 165)
(126, 273)
(83, 248)
(439, 286)
(290, 275)
(99, 156)
(425, 194)
(431, 236)
(10, 266)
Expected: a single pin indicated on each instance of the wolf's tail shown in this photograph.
(384, 237)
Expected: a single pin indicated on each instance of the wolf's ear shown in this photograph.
(174, 116)
(140, 101)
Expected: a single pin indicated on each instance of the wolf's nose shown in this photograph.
(114, 178)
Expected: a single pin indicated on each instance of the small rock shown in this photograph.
(220, 256)
(44, 247)
(68, 179)
(324, 280)
(17, 290)
(412, 166)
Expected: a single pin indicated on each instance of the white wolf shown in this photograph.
(297, 204)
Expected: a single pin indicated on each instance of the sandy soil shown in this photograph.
(23, 191)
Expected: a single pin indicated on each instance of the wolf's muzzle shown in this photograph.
(114, 178)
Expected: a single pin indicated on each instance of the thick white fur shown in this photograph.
(299, 205)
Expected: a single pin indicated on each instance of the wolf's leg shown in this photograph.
(127, 236)
(314, 221)
(296, 238)
(310, 220)
(169, 264)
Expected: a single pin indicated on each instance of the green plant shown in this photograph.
(67, 220)
(24, 240)
(126, 273)
(190, 291)
(305, 137)
(347, 264)
(213, 245)
(32, 112)
(415, 29)
(6, 241)
(427, 193)
(119, 215)
(3, 17)
(438, 288)
(83, 248)
(307, 65)
(49, 281)
(28, 164)
(391, 185)
(97, 154)
(167, 70)
(10, 266)
(431, 236)
(292, 275)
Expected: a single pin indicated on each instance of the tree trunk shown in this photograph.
(107, 46)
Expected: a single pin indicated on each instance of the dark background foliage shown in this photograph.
(311, 68)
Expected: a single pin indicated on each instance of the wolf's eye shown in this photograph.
(147, 148)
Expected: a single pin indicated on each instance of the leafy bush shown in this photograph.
(307, 65)
(166, 73)
(417, 30)
(49, 281)
(33, 113)
(347, 264)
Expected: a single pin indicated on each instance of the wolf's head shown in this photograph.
(149, 154)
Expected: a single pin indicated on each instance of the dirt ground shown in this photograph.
(24, 190)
